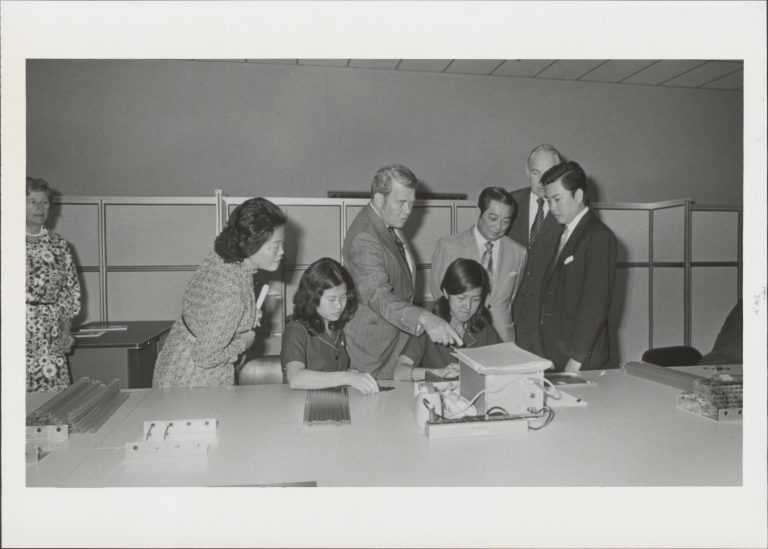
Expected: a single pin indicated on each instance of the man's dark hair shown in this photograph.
(498, 194)
(570, 174)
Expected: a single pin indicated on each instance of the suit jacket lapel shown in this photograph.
(570, 246)
(469, 242)
(386, 238)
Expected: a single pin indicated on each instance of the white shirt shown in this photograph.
(533, 207)
(572, 225)
(480, 239)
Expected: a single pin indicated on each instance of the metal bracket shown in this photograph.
(166, 448)
(179, 429)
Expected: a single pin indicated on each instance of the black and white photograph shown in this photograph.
(325, 274)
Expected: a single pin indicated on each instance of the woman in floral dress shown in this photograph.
(53, 295)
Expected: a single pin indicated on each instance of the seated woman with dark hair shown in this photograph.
(465, 286)
(219, 306)
(314, 354)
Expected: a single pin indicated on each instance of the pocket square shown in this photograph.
(568, 260)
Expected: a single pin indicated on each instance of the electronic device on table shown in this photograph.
(501, 389)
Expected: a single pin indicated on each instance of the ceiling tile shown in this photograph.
(273, 61)
(427, 65)
(734, 81)
(705, 73)
(324, 62)
(473, 66)
(662, 71)
(616, 70)
(569, 69)
(374, 63)
(525, 68)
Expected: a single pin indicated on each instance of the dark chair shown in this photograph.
(261, 371)
(681, 355)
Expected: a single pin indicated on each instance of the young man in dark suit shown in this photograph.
(578, 284)
(537, 230)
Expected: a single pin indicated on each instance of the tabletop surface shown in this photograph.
(629, 434)
(138, 334)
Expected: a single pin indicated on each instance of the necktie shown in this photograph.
(537, 221)
(563, 239)
(487, 258)
(399, 244)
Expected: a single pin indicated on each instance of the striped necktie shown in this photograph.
(487, 258)
(537, 221)
(400, 245)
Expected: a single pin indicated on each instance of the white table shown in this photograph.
(630, 434)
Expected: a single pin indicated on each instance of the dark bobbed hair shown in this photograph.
(323, 274)
(570, 174)
(39, 185)
(382, 181)
(462, 276)
(248, 228)
(499, 194)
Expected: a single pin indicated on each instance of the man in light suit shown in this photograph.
(578, 284)
(381, 263)
(536, 229)
(486, 242)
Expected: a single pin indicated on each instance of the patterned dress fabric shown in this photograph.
(218, 311)
(53, 298)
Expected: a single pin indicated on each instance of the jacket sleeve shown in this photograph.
(217, 340)
(366, 264)
(595, 296)
(441, 258)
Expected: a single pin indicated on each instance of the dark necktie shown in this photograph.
(487, 259)
(537, 221)
(400, 245)
(563, 240)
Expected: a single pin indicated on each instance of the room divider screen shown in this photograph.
(678, 276)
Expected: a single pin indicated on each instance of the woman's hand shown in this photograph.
(450, 371)
(66, 341)
(250, 337)
(362, 382)
(259, 314)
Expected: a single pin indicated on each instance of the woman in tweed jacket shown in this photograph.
(219, 312)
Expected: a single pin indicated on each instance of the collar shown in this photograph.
(373, 207)
(480, 239)
(575, 221)
(533, 202)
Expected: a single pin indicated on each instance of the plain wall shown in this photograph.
(146, 127)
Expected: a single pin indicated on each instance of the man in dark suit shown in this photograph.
(381, 263)
(578, 284)
(537, 230)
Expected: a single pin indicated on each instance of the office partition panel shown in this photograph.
(678, 273)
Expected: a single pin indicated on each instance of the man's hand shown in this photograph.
(572, 366)
(439, 330)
